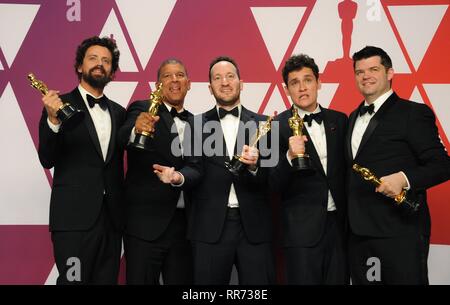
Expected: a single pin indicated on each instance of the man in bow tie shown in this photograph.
(87, 194)
(313, 205)
(156, 219)
(399, 142)
(230, 222)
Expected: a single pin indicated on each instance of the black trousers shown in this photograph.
(88, 257)
(213, 262)
(170, 256)
(323, 264)
(402, 260)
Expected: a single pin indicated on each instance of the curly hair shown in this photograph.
(106, 42)
(298, 62)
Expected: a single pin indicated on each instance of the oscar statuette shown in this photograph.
(400, 199)
(141, 140)
(235, 166)
(67, 114)
(300, 162)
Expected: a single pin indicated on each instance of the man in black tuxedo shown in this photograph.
(86, 201)
(230, 221)
(313, 204)
(399, 142)
(155, 239)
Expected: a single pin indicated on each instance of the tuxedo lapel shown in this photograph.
(348, 140)
(222, 157)
(312, 152)
(79, 103)
(112, 139)
(375, 121)
(243, 133)
(331, 140)
(169, 128)
(165, 139)
(168, 122)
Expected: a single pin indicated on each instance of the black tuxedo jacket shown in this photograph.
(304, 198)
(82, 180)
(401, 136)
(151, 203)
(210, 181)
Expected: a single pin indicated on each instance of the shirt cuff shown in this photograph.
(132, 135)
(253, 172)
(408, 187)
(288, 159)
(181, 183)
(53, 127)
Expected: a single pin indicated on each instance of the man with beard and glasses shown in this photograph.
(86, 200)
(155, 228)
(230, 219)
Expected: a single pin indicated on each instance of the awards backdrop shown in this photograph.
(41, 36)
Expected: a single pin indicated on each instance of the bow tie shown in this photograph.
(102, 101)
(223, 112)
(364, 109)
(308, 118)
(183, 115)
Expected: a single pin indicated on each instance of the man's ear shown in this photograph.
(390, 74)
(286, 90)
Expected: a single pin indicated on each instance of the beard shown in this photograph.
(98, 82)
(227, 102)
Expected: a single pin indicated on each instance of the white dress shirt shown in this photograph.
(180, 128)
(101, 119)
(180, 124)
(363, 121)
(230, 127)
(319, 140)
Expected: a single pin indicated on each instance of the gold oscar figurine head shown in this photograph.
(37, 84)
(296, 123)
(157, 95)
(366, 174)
(262, 130)
(156, 99)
